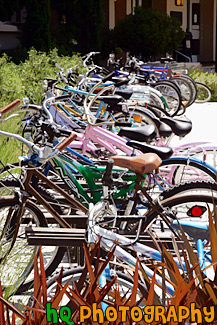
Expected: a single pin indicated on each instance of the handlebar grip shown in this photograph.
(109, 76)
(66, 142)
(10, 106)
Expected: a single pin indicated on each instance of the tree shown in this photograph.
(7, 8)
(82, 27)
(88, 18)
(148, 32)
(37, 27)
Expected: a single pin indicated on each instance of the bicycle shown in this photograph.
(93, 134)
(20, 201)
(18, 211)
(104, 223)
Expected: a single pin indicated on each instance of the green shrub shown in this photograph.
(209, 78)
(148, 32)
(25, 80)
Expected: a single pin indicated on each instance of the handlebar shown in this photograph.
(42, 153)
(66, 142)
(53, 100)
(10, 106)
(43, 156)
(109, 76)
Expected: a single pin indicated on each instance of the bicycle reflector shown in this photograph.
(137, 118)
(196, 211)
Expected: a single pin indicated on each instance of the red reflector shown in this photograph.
(196, 211)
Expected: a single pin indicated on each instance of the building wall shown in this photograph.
(106, 12)
(207, 41)
(203, 33)
(160, 5)
(172, 8)
(120, 10)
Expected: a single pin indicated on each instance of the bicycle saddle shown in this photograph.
(162, 152)
(180, 127)
(168, 59)
(142, 164)
(163, 128)
(140, 133)
(125, 93)
(119, 81)
(111, 100)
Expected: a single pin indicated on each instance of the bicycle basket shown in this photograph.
(179, 67)
(141, 94)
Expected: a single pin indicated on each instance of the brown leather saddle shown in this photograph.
(142, 164)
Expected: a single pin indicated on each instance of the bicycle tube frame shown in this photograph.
(64, 165)
(102, 137)
(42, 201)
(107, 241)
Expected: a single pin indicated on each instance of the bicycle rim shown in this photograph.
(203, 93)
(17, 268)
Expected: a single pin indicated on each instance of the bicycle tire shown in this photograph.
(192, 186)
(156, 100)
(203, 93)
(172, 95)
(75, 273)
(193, 167)
(183, 201)
(21, 252)
(192, 83)
(196, 186)
(185, 89)
(208, 154)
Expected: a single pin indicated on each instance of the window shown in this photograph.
(177, 14)
(135, 3)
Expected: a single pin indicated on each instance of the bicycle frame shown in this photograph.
(108, 238)
(65, 166)
(29, 189)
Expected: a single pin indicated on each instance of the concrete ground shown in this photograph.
(204, 119)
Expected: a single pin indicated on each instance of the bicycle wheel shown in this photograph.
(124, 282)
(137, 117)
(16, 267)
(206, 153)
(171, 94)
(156, 100)
(176, 170)
(9, 183)
(185, 89)
(203, 93)
(156, 191)
(187, 206)
(193, 85)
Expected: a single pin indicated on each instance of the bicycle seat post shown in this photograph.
(107, 180)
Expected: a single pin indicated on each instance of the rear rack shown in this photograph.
(63, 237)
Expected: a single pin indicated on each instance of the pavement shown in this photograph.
(204, 123)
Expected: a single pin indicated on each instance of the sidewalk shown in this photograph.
(204, 120)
